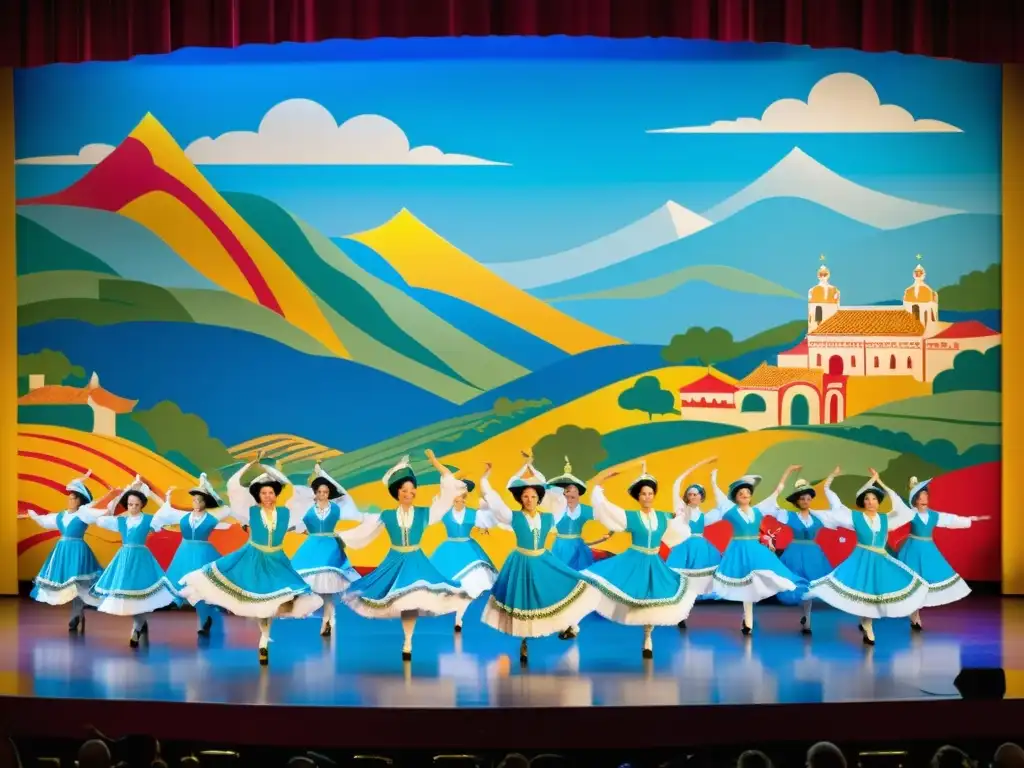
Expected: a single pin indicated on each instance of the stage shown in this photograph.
(469, 691)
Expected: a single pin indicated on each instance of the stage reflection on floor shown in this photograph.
(360, 666)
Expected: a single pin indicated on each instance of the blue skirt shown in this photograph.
(69, 571)
(637, 587)
(405, 581)
(872, 585)
(807, 560)
(321, 561)
(464, 562)
(697, 559)
(573, 552)
(750, 572)
(924, 558)
(133, 583)
(254, 583)
(191, 555)
(536, 595)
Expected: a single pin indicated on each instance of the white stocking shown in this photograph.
(459, 614)
(328, 610)
(868, 626)
(77, 608)
(138, 620)
(748, 615)
(807, 613)
(648, 642)
(915, 617)
(408, 627)
(264, 633)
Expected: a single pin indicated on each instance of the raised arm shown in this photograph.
(838, 513)
(901, 514)
(450, 488)
(722, 502)
(606, 513)
(770, 506)
(496, 506)
(166, 515)
(239, 500)
(678, 502)
(48, 522)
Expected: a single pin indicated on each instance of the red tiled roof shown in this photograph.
(799, 349)
(708, 384)
(59, 394)
(968, 329)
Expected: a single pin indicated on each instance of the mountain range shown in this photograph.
(144, 237)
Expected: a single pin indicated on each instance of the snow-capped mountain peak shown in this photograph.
(667, 224)
(798, 175)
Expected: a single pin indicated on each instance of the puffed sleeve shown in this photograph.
(362, 534)
(450, 488)
(239, 500)
(838, 513)
(606, 513)
(947, 520)
(677, 532)
(166, 515)
(495, 504)
(48, 522)
(298, 505)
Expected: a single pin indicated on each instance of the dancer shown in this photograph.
(870, 583)
(321, 560)
(696, 558)
(803, 556)
(71, 568)
(458, 558)
(535, 593)
(920, 554)
(406, 584)
(133, 584)
(195, 550)
(257, 580)
(637, 587)
(748, 572)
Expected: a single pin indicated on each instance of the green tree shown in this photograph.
(175, 432)
(972, 370)
(974, 291)
(581, 445)
(55, 366)
(708, 346)
(646, 395)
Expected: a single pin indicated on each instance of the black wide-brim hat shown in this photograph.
(872, 489)
(639, 485)
(517, 490)
(211, 503)
(255, 488)
(137, 494)
(333, 491)
(805, 491)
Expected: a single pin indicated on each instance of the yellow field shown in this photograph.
(114, 463)
(283, 448)
(865, 392)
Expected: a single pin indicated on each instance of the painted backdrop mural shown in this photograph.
(607, 250)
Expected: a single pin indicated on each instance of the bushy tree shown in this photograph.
(708, 346)
(646, 395)
(581, 444)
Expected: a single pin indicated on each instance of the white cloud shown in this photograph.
(90, 154)
(298, 132)
(839, 103)
(303, 132)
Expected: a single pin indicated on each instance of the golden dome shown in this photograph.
(920, 291)
(823, 292)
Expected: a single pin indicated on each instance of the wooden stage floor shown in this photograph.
(469, 690)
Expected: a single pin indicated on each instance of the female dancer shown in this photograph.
(696, 558)
(749, 572)
(133, 584)
(870, 583)
(405, 584)
(637, 587)
(535, 594)
(803, 556)
(458, 558)
(195, 549)
(570, 517)
(321, 560)
(71, 568)
(257, 580)
(920, 554)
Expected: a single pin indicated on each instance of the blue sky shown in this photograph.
(569, 114)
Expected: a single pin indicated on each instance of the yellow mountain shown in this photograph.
(426, 260)
(191, 239)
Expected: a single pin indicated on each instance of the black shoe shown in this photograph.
(264, 656)
(76, 623)
(682, 624)
(325, 630)
(523, 661)
(805, 631)
(134, 641)
(458, 628)
(746, 630)
(803, 621)
(204, 631)
(406, 655)
(868, 640)
(648, 653)
(145, 629)
(916, 627)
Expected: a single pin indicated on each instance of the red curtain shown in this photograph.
(35, 32)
